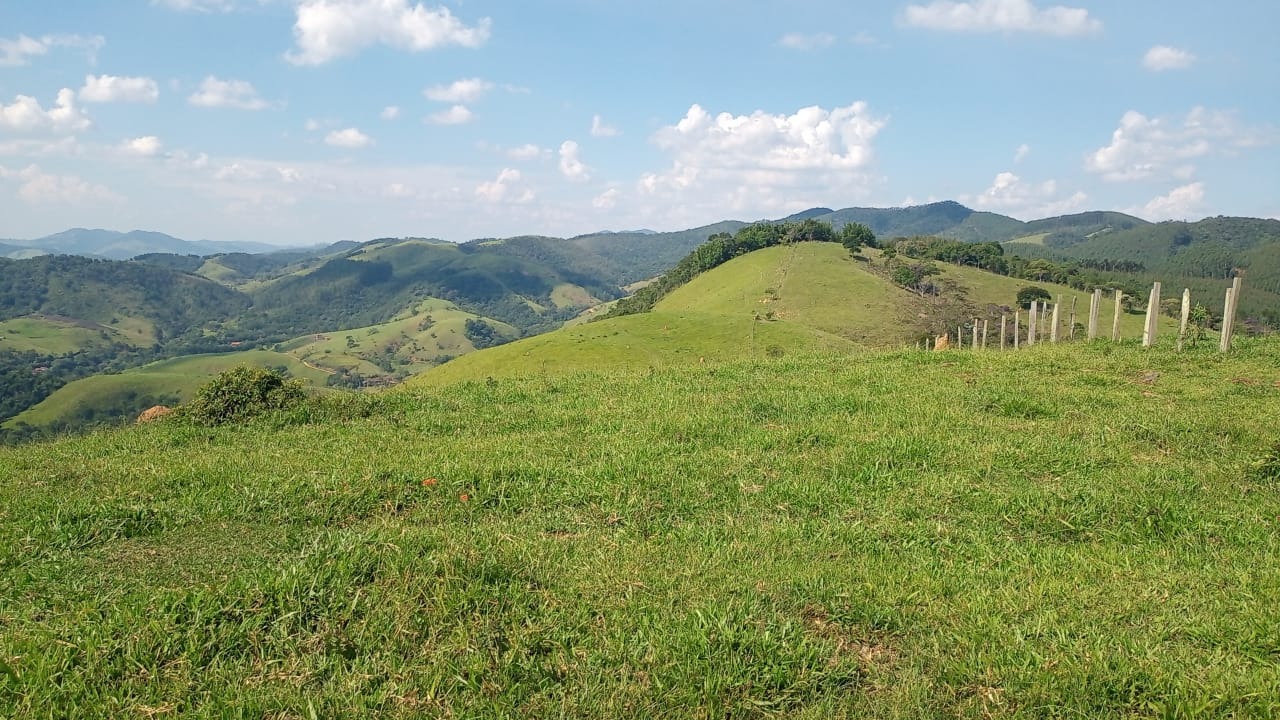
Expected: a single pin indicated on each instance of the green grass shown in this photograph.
(794, 298)
(177, 377)
(50, 336)
(904, 535)
(412, 342)
(1036, 239)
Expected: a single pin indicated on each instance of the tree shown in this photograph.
(855, 235)
(1031, 293)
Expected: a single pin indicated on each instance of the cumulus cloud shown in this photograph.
(810, 139)
(456, 115)
(459, 91)
(1021, 153)
(20, 51)
(1181, 203)
(606, 200)
(1163, 57)
(762, 164)
(1002, 16)
(600, 129)
(526, 152)
(390, 112)
(348, 138)
(110, 88)
(504, 187)
(239, 94)
(801, 41)
(398, 191)
(147, 146)
(1008, 194)
(26, 115)
(329, 29)
(570, 165)
(1161, 147)
(37, 187)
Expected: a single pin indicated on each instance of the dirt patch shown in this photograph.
(871, 649)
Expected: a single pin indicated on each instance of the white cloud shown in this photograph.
(390, 112)
(862, 37)
(1002, 16)
(1008, 194)
(570, 165)
(1161, 147)
(762, 164)
(1181, 203)
(503, 187)
(606, 200)
(459, 91)
(147, 146)
(26, 115)
(329, 29)
(311, 125)
(238, 94)
(110, 88)
(398, 190)
(600, 129)
(456, 115)
(812, 138)
(348, 138)
(1163, 57)
(1021, 153)
(37, 187)
(527, 152)
(801, 41)
(19, 51)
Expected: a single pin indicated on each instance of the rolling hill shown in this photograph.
(796, 298)
(115, 245)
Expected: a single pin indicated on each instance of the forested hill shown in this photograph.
(171, 304)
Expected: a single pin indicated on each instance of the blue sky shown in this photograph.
(308, 121)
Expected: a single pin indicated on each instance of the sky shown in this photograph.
(299, 122)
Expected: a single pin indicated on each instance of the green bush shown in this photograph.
(241, 393)
(1032, 293)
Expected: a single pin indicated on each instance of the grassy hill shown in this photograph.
(430, 333)
(1047, 533)
(121, 396)
(801, 297)
(378, 280)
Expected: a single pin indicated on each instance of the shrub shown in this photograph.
(241, 393)
(1032, 293)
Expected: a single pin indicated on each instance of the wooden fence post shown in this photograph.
(1004, 321)
(1229, 313)
(1093, 313)
(986, 324)
(1153, 317)
(1032, 319)
(1016, 321)
(974, 345)
(1071, 333)
(1115, 319)
(1053, 331)
(1186, 317)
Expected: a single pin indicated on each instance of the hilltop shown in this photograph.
(794, 298)
(898, 534)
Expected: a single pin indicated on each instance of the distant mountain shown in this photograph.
(114, 245)
(17, 251)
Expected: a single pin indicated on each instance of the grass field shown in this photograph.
(415, 340)
(50, 336)
(1082, 531)
(1036, 239)
(178, 377)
